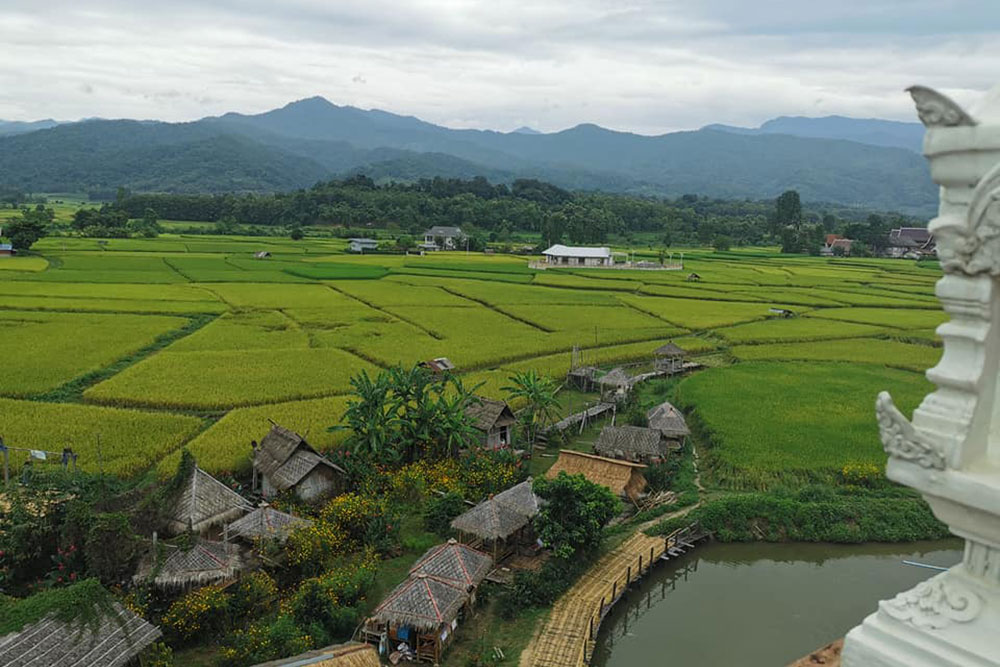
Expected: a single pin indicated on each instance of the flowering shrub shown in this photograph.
(265, 641)
(861, 474)
(252, 596)
(310, 547)
(202, 612)
(67, 566)
(362, 520)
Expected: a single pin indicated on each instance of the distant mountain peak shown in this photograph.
(524, 129)
(871, 131)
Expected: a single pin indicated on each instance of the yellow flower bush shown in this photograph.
(199, 612)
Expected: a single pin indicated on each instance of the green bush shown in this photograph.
(439, 511)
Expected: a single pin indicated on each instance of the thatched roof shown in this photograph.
(342, 655)
(205, 563)
(204, 502)
(670, 350)
(265, 522)
(668, 420)
(487, 414)
(284, 457)
(490, 520)
(423, 602)
(616, 377)
(52, 643)
(520, 498)
(455, 563)
(622, 477)
(630, 442)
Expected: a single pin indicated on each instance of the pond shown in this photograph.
(758, 604)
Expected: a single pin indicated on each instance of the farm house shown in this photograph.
(455, 563)
(286, 461)
(442, 237)
(115, 639)
(614, 385)
(206, 562)
(264, 523)
(204, 503)
(6, 250)
(561, 255)
(500, 524)
(362, 245)
(494, 421)
(438, 365)
(341, 655)
(669, 357)
(669, 421)
(624, 478)
(632, 443)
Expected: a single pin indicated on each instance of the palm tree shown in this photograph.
(539, 395)
(370, 418)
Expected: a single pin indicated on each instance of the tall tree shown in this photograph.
(539, 395)
(787, 210)
(32, 225)
(574, 513)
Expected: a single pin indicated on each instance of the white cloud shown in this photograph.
(645, 66)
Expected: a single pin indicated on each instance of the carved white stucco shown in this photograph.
(951, 450)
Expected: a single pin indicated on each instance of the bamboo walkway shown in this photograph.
(567, 639)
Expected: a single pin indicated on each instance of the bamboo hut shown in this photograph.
(205, 563)
(493, 419)
(115, 640)
(341, 655)
(455, 563)
(614, 385)
(422, 613)
(203, 503)
(622, 477)
(631, 443)
(500, 524)
(287, 462)
(669, 421)
(670, 358)
(264, 523)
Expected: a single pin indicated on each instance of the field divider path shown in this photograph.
(433, 334)
(497, 309)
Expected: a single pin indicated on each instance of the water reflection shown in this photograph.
(758, 604)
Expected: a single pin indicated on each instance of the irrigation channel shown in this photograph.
(757, 604)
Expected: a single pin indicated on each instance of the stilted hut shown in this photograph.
(286, 461)
(493, 419)
(114, 640)
(203, 503)
(264, 523)
(422, 614)
(631, 443)
(341, 655)
(669, 358)
(622, 477)
(455, 563)
(499, 525)
(614, 385)
(203, 564)
(669, 421)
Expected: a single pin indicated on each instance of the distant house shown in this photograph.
(669, 421)
(262, 254)
(443, 238)
(834, 241)
(6, 250)
(493, 419)
(910, 242)
(561, 255)
(622, 477)
(438, 365)
(115, 638)
(781, 312)
(203, 503)
(286, 461)
(614, 385)
(632, 443)
(669, 357)
(693, 278)
(502, 523)
(362, 245)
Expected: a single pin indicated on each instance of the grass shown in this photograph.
(890, 317)
(862, 350)
(795, 329)
(771, 422)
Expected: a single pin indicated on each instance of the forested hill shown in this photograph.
(310, 140)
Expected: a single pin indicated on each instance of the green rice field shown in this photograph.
(151, 345)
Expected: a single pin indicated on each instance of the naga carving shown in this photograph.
(935, 604)
(937, 110)
(900, 440)
(972, 246)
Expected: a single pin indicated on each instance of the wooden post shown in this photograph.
(591, 627)
(640, 564)
(628, 575)
(614, 590)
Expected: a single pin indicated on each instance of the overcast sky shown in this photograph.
(643, 66)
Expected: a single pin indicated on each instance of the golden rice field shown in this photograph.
(156, 344)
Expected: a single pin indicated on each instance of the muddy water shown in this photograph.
(757, 605)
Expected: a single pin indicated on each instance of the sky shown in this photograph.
(636, 65)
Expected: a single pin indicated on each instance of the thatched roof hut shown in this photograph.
(670, 350)
(631, 443)
(265, 522)
(114, 641)
(622, 477)
(502, 515)
(422, 602)
(455, 563)
(204, 502)
(615, 378)
(341, 655)
(669, 421)
(493, 419)
(287, 461)
(205, 563)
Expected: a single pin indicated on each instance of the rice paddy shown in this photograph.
(192, 341)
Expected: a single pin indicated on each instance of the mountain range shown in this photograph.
(866, 162)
